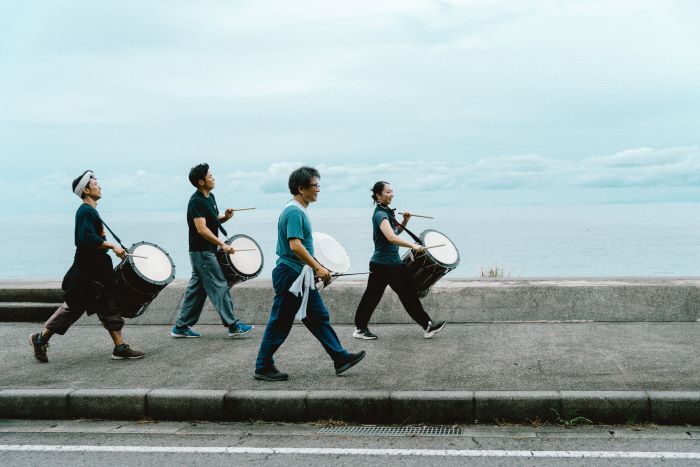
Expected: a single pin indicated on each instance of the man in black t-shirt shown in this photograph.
(204, 221)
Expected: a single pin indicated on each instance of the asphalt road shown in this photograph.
(105, 443)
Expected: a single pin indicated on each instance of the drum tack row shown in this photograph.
(148, 269)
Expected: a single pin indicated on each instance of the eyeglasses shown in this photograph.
(315, 185)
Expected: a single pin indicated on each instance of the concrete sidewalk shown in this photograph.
(612, 372)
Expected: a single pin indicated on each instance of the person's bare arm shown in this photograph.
(200, 224)
(388, 232)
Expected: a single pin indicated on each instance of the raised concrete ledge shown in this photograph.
(399, 407)
(458, 301)
(123, 404)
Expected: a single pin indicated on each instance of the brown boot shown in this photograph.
(123, 351)
(39, 349)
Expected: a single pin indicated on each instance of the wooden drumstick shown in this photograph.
(243, 209)
(137, 256)
(236, 250)
(418, 215)
(433, 246)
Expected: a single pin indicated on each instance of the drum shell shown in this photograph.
(231, 274)
(423, 272)
(132, 291)
(424, 269)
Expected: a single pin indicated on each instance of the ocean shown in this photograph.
(521, 241)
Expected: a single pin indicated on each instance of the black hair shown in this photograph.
(197, 173)
(77, 180)
(377, 190)
(301, 177)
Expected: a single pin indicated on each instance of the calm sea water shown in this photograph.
(529, 241)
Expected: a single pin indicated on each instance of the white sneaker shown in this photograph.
(364, 334)
(433, 328)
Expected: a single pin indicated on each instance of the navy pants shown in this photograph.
(284, 308)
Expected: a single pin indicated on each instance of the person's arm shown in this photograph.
(200, 223)
(303, 254)
(388, 232)
(404, 221)
(228, 214)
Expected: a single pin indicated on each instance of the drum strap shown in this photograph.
(113, 234)
(221, 227)
(398, 224)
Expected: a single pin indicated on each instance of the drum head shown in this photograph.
(155, 266)
(330, 253)
(247, 263)
(447, 255)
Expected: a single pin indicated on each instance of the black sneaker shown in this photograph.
(433, 328)
(270, 374)
(364, 334)
(39, 349)
(123, 351)
(352, 360)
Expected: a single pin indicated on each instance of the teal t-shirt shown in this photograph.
(385, 252)
(293, 223)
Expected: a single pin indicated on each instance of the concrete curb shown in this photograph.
(398, 407)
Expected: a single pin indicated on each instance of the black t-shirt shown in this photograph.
(89, 232)
(201, 206)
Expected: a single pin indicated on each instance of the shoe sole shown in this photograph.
(432, 333)
(240, 334)
(267, 378)
(180, 336)
(115, 357)
(349, 365)
(31, 344)
(364, 337)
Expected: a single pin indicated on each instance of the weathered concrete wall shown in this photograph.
(465, 301)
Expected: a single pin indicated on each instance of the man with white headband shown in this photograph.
(292, 279)
(89, 284)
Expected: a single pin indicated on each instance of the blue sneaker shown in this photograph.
(239, 329)
(187, 332)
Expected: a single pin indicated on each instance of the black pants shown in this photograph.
(399, 280)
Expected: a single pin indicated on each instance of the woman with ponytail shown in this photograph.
(386, 268)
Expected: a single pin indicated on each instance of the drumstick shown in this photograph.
(349, 274)
(243, 209)
(433, 246)
(418, 215)
(236, 250)
(137, 256)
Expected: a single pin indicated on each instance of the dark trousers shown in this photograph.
(284, 307)
(64, 317)
(399, 280)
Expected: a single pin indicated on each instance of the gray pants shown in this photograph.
(207, 280)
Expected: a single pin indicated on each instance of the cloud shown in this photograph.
(634, 171)
(639, 167)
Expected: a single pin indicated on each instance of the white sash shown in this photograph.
(305, 281)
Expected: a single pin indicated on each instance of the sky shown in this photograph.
(455, 103)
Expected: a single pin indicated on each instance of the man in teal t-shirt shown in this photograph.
(295, 249)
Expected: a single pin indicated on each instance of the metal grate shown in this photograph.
(378, 430)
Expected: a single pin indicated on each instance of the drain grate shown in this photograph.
(378, 430)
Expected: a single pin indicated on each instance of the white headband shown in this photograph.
(83, 183)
